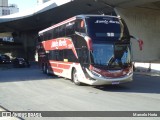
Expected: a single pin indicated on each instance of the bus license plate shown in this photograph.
(115, 83)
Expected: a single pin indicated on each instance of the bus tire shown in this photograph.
(47, 70)
(75, 77)
(44, 69)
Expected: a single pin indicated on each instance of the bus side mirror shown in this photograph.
(140, 42)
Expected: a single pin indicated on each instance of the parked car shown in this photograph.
(20, 62)
(4, 59)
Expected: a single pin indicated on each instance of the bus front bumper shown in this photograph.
(110, 81)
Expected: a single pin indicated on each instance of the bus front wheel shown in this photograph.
(75, 77)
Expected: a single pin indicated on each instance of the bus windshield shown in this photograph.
(106, 28)
(110, 55)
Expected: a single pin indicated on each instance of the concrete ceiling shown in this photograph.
(41, 20)
(153, 6)
(127, 3)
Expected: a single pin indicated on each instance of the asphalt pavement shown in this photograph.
(28, 89)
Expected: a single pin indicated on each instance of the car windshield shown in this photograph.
(111, 56)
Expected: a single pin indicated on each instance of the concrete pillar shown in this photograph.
(28, 40)
(145, 24)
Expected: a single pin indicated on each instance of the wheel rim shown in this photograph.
(75, 77)
(44, 68)
(47, 71)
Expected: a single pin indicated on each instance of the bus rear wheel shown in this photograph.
(44, 68)
(75, 78)
(47, 70)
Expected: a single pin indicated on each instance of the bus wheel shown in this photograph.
(44, 69)
(75, 77)
(47, 70)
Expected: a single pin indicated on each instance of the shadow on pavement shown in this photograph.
(10, 74)
(140, 84)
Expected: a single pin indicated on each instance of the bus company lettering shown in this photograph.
(58, 43)
(107, 22)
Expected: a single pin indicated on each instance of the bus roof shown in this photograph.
(72, 19)
(92, 15)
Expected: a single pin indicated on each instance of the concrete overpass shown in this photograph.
(141, 16)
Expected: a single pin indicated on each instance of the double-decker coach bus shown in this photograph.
(90, 49)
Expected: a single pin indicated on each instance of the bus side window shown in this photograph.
(49, 35)
(60, 55)
(69, 55)
(55, 55)
(44, 37)
(40, 38)
(56, 32)
(62, 31)
(83, 55)
(70, 27)
(52, 55)
(52, 33)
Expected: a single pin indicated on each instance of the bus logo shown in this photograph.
(58, 43)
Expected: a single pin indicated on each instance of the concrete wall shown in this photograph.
(29, 43)
(144, 24)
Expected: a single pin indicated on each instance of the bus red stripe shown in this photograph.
(57, 70)
(60, 62)
(64, 66)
